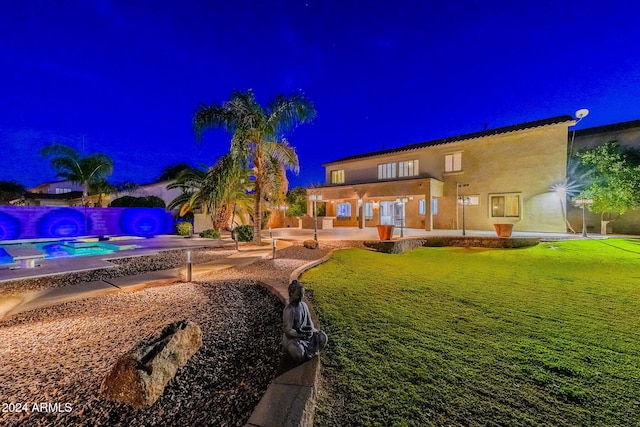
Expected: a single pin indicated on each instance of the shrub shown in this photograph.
(210, 234)
(138, 202)
(183, 228)
(245, 233)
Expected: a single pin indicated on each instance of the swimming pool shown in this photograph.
(67, 249)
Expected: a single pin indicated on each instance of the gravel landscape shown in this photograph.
(61, 354)
(163, 260)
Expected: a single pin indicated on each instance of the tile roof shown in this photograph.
(608, 128)
(496, 131)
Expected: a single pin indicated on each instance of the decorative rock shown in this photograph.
(140, 376)
(310, 244)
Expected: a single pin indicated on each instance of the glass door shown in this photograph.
(387, 213)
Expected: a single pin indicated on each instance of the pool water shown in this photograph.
(67, 249)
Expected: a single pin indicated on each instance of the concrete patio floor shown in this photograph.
(371, 233)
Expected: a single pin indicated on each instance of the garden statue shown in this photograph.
(301, 340)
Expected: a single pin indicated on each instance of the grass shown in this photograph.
(548, 335)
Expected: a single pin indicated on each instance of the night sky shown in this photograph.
(125, 77)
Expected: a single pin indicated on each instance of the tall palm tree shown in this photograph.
(219, 190)
(72, 166)
(258, 138)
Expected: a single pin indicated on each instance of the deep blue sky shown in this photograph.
(125, 77)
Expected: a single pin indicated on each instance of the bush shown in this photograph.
(245, 233)
(183, 228)
(210, 234)
(138, 202)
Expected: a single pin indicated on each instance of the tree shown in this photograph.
(171, 172)
(258, 140)
(615, 186)
(297, 202)
(127, 187)
(137, 202)
(10, 190)
(219, 190)
(100, 188)
(83, 170)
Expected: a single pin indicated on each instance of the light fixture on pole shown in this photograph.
(401, 201)
(583, 202)
(463, 200)
(580, 114)
(458, 187)
(315, 198)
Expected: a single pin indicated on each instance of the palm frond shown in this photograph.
(285, 113)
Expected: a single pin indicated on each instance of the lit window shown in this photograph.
(434, 206)
(337, 177)
(368, 211)
(507, 205)
(387, 171)
(422, 207)
(408, 168)
(343, 210)
(453, 162)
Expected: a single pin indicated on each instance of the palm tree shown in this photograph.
(258, 138)
(101, 188)
(83, 170)
(171, 172)
(219, 190)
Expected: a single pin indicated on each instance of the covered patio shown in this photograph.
(408, 203)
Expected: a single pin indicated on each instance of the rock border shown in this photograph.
(408, 244)
(290, 399)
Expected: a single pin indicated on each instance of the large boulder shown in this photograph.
(140, 376)
(310, 244)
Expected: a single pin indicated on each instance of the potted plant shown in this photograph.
(385, 232)
(503, 230)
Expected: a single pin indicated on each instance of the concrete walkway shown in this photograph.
(48, 297)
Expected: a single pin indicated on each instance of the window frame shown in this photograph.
(408, 168)
(343, 217)
(505, 207)
(387, 170)
(337, 173)
(450, 166)
(368, 207)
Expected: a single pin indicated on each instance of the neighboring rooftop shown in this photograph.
(48, 196)
(608, 128)
(489, 132)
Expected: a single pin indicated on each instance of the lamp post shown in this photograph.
(458, 187)
(463, 200)
(583, 202)
(401, 201)
(315, 198)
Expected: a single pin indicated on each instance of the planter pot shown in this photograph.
(503, 230)
(385, 232)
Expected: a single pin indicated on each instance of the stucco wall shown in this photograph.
(525, 162)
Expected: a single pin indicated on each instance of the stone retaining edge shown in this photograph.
(284, 404)
(408, 244)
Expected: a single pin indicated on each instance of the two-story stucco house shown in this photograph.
(503, 175)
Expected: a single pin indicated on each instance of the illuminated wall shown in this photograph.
(35, 222)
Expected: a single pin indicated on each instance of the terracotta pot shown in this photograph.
(503, 230)
(385, 232)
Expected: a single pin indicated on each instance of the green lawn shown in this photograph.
(547, 336)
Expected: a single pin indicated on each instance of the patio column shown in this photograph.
(361, 213)
(428, 213)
